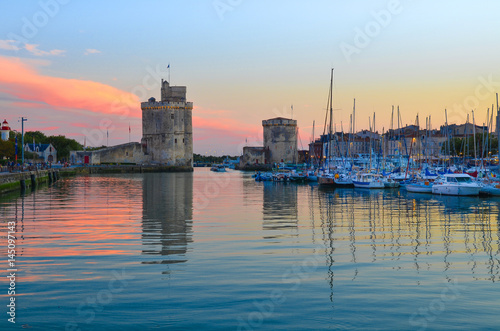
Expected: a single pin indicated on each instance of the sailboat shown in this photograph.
(327, 178)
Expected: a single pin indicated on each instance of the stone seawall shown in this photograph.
(10, 182)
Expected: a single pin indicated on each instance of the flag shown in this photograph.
(33, 144)
(129, 128)
(107, 133)
(16, 148)
(168, 67)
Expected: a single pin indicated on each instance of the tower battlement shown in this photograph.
(167, 128)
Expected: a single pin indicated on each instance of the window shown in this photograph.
(172, 116)
(176, 140)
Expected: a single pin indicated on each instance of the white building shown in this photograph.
(47, 152)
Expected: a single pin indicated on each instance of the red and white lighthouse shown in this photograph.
(4, 130)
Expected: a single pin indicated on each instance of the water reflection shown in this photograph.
(167, 213)
(280, 210)
(414, 233)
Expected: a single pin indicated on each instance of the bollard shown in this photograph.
(33, 180)
(54, 176)
(50, 176)
(23, 185)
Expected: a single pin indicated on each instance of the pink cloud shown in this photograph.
(24, 104)
(226, 126)
(21, 80)
(80, 125)
(33, 49)
(43, 129)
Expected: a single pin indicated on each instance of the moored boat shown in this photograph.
(490, 189)
(456, 184)
(326, 179)
(218, 168)
(368, 180)
(419, 187)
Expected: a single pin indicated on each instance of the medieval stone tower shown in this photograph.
(280, 140)
(167, 127)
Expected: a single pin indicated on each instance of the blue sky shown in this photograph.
(245, 61)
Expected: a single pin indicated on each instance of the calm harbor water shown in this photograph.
(203, 251)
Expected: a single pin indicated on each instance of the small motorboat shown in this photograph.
(368, 180)
(456, 184)
(419, 187)
(218, 168)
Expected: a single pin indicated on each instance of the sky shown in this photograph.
(81, 68)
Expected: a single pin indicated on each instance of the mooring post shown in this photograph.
(33, 180)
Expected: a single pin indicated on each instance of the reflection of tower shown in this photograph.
(167, 211)
(280, 207)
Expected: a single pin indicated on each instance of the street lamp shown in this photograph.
(22, 138)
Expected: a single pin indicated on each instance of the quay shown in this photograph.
(21, 181)
(13, 181)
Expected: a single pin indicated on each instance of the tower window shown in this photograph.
(182, 139)
(176, 140)
(172, 116)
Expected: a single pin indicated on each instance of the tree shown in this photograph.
(7, 149)
(64, 145)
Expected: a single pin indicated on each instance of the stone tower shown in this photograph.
(167, 127)
(280, 139)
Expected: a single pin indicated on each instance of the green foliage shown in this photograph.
(198, 158)
(461, 146)
(7, 149)
(62, 144)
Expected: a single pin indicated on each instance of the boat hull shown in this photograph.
(455, 190)
(416, 188)
(490, 190)
(370, 185)
(326, 181)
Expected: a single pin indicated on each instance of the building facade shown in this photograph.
(167, 134)
(280, 139)
(280, 144)
(47, 152)
(167, 127)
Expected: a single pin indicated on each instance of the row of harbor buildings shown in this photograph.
(280, 143)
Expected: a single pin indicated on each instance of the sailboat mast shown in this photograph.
(354, 117)
(331, 120)
(474, 140)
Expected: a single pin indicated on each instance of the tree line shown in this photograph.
(465, 146)
(62, 145)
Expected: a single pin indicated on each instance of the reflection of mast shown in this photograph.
(327, 229)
